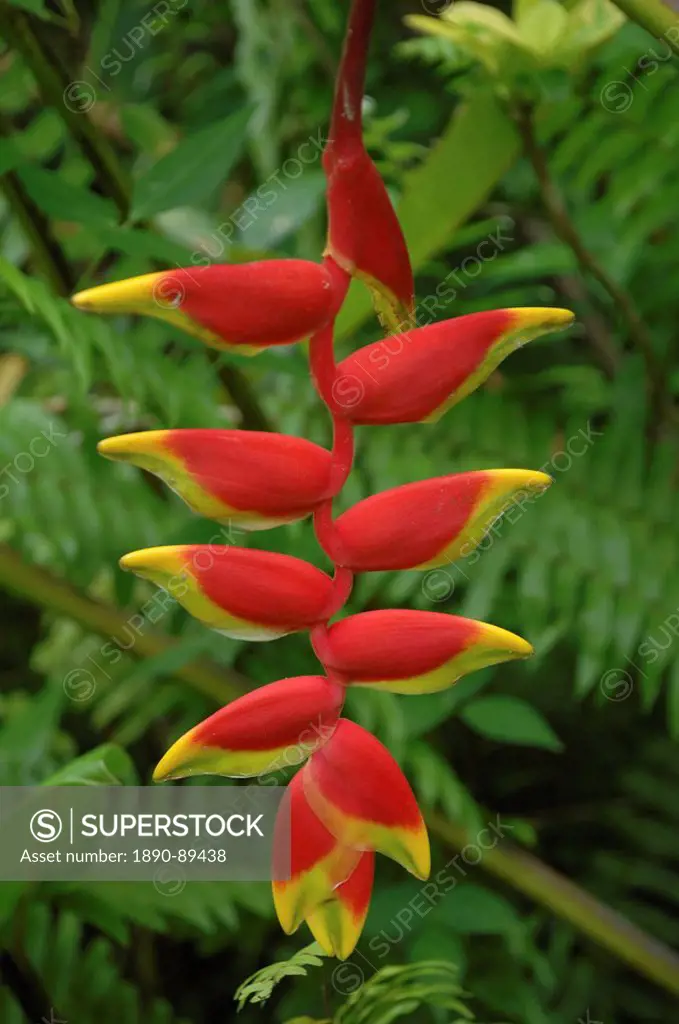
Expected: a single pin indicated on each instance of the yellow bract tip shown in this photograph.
(543, 318)
(168, 559)
(134, 295)
(176, 762)
(127, 446)
(505, 642)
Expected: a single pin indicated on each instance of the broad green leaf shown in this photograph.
(510, 720)
(472, 910)
(61, 200)
(194, 168)
(12, 154)
(266, 224)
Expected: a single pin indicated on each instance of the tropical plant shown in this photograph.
(552, 186)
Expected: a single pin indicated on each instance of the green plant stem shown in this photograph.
(568, 901)
(655, 16)
(47, 591)
(568, 233)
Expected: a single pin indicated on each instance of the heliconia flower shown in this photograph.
(252, 478)
(308, 862)
(431, 522)
(337, 923)
(245, 594)
(406, 651)
(358, 791)
(416, 376)
(364, 235)
(271, 728)
(243, 307)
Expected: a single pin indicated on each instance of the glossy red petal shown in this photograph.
(364, 235)
(267, 730)
(406, 651)
(242, 306)
(252, 478)
(358, 791)
(308, 862)
(246, 594)
(418, 375)
(429, 523)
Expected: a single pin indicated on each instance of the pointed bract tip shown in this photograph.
(131, 295)
(161, 559)
(520, 479)
(502, 640)
(126, 446)
(176, 762)
(542, 318)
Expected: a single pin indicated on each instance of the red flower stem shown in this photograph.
(343, 581)
(326, 533)
(342, 453)
(346, 119)
(345, 127)
(322, 361)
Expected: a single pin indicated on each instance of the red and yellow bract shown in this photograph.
(253, 479)
(404, 651)
(271, 728)
(350, 799)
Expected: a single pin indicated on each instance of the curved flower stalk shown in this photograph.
(350, 800)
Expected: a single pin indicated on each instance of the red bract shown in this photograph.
(275, 726)
(254, 479)
(245, 307)
(429, 523)
(407, 651)
(248, 595)
(308, 862)
(364, 235)
(351, 799)
(418, 375)
(358, 791)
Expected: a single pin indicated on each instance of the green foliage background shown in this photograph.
(132, 134)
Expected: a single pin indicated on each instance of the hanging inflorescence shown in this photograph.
(350, 799)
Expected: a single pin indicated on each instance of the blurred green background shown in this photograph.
(530, 166)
